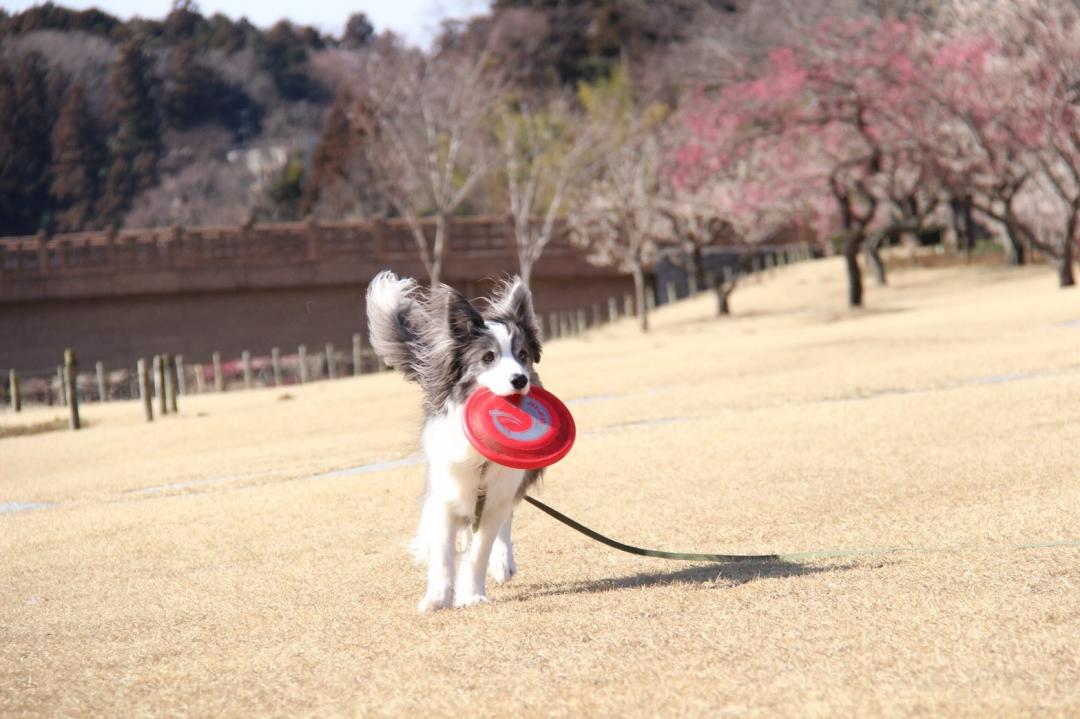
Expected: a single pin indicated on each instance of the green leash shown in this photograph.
(795, 557)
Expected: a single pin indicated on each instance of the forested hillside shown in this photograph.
(194, 119)
(150, 121)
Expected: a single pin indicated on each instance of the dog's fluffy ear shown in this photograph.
(461, 317)
(512, 301)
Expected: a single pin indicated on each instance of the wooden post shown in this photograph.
(612, 309)
(275, 361)
(144, 390)
(553, 325)
(582, 324)
(200, 378)
(159, 385)
(312, 233)
(63, 385)
(357, 355)
(564, 324)
(13, 383)
(245, 359)
(170, 381)
(181, 376)
(219, 375)
(303, 364)
(628, 305)
(330, 361)
(71, 376)
(42, 252)
(691, 284)
(103, 390)
(672, 295)
(596, 317)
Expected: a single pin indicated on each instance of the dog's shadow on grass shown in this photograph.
(720, 575)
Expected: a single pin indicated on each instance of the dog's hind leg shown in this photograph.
(501, 565)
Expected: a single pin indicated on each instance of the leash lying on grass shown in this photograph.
(793, 557)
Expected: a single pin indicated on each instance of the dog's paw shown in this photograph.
(433, 604)
(501, 567)
(501, 571)
(470, 600)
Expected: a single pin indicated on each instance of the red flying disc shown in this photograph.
(521, 431)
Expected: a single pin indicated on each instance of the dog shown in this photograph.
(450, 347)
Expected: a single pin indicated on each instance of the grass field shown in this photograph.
(222, 563)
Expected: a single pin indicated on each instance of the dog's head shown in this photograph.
(495, 348)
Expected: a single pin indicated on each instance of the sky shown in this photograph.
(415, 20)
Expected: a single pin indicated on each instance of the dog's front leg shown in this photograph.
(439, 524)
(471, 589)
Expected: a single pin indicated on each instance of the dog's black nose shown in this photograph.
(519, 381)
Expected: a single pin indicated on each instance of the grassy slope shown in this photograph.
(947, 415)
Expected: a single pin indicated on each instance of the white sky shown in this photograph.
(416, 20)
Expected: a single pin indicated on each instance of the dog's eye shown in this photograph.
(523, 355)
(488, 357)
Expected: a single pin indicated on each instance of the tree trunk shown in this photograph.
(697, 266)
(526, 271)
(1065, 269)
(1015, 245)
(873, 253)
(724, 287)
(438, 248)
(963, 225)
(639, 297)
(851, 256)
(723, 307)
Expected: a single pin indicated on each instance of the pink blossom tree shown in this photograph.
(828, 113)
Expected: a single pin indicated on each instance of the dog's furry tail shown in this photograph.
(395, 319)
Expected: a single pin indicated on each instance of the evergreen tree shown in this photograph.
(76, 159)
(283, 54)
(185, 23)
(25, 125)
(135, 145)
(331, 154)
(195, 94)
(359, 32)
(186, 98)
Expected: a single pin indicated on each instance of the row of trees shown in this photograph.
(59, 167)
(77, 146)
(869, 130)
(859, 131)
(436, 135)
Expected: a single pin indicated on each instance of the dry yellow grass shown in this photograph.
(194, 567)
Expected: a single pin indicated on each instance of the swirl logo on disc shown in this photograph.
(518, 429)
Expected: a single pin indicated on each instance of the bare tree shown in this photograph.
(619, 220)
(544, 153)
(430, 144)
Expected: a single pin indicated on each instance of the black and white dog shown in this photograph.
(440, 340)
